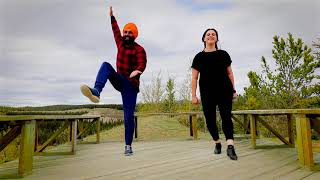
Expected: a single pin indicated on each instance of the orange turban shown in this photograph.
(133, 28)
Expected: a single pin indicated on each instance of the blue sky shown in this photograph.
(51, 47)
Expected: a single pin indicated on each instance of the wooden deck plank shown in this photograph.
(280, 171)
(314, 176)
(168, 160)
(298, 174)
(227, 169)
(172, 165)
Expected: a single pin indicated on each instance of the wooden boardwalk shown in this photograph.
(185, 159)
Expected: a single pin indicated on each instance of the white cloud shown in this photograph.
(53, 46)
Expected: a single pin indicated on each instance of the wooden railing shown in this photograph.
(28, 127)
(250, 118)
(302, 119)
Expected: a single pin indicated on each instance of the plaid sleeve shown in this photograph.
(116, 31)
(141, 59)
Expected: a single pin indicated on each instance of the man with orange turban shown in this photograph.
(131, 62)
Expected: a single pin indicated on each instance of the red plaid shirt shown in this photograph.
(129, 58)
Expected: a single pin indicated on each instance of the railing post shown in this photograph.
(246, 124)
(253, 130)
(290, 130)
(304, 143)
(80, 128)
(26, 148)
(36, 139)
(136, 126)
(190, 124)
(70, 132)
(205, 123)
(98, 127)
(73, 135)
(194, 127)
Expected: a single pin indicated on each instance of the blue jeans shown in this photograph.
(128, 93)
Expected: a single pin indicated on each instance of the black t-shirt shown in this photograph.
(213, 71)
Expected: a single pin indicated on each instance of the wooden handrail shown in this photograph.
(242, 112)
(301, 117)
(278, 111)
(4, 118)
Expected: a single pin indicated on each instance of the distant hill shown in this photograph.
(65, 107)
(6, 109)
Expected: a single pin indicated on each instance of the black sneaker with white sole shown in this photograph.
(128, 150)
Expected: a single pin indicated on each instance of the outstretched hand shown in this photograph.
(134, 73)
(235, 96)
(195, 100)
(111, 11)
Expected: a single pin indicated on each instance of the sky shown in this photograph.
(50, 47)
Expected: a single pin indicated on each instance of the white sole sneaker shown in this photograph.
(86, 92)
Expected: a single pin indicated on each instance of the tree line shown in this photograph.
(8, 110)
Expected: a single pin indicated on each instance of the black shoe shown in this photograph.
(231, 153)
(128, 150)
(217, 149)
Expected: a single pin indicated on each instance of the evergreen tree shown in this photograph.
(170, 100)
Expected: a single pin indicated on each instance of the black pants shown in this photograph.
(224, 102)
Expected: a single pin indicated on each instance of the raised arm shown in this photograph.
(115, 29)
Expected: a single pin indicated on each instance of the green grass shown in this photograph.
(151, 129)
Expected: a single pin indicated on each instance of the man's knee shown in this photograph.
(106, 64)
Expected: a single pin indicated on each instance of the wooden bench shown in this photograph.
(27, 127)
(302, 118)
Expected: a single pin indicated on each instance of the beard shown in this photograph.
(128, 40)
